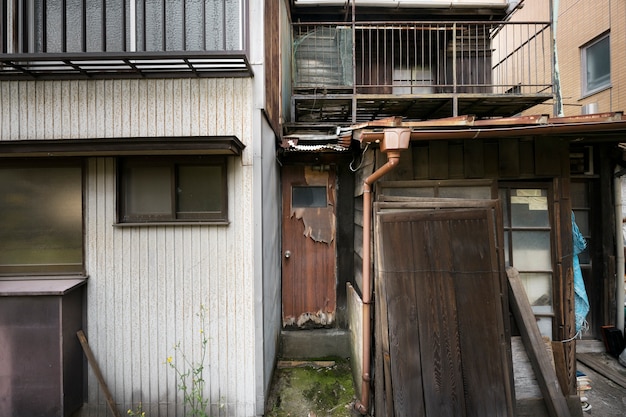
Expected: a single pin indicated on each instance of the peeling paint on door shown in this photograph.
(308, 262)
(319, 222)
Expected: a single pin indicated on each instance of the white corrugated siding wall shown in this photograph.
(146, 284)
(125, 108)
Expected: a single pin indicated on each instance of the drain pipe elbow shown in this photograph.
(360, 408)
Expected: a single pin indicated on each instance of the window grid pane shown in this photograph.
(148, 192)
(597, 65)
(303, 197)
(528, 247)
(36, 237)
(199, 191)
(173, 189)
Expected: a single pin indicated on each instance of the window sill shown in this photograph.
(182, 223)
(590, 93)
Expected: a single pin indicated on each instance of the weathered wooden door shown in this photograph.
(308, 262)
(443, 348)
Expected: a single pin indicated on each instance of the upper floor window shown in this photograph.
(180, 189)
(41, 223)
(596, 65)
(51, 26)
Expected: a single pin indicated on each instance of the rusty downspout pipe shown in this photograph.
(393, 158)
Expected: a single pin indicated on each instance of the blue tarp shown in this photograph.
(581, 302)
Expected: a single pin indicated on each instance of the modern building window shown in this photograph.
(596, 65)
(41, 210)
(185, 189)
(60, 26)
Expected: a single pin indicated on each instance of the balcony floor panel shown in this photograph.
(338, 108)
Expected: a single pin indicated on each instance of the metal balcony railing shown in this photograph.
(422, 60)
(43, 39)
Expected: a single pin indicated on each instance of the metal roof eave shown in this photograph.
(605, 126)
(162, 145)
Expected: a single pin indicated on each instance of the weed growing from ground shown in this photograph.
(190, 375)
(137, 412)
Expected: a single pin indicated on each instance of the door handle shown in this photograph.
(287, 254)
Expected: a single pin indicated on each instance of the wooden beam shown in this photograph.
(602, 368)
(96, 369)
(535, 347)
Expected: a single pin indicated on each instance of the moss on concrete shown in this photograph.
(310, 390)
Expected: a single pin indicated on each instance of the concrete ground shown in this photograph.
(606, 397)
(313, 377)
(322, 386)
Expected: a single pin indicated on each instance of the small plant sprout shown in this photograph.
(137, 411)
(190, 375)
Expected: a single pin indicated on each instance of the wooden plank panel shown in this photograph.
(479, 289)
(423, 270)
(598, 363)
(384, 405)
(440, 348)
(403, 326)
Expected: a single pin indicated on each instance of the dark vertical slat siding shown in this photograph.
(514, 159)
(420, 161)
(547, 160)
(474, 159)
(438, 160)
(526, 157)
(509, 162)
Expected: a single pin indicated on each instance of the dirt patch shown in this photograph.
(312, 389)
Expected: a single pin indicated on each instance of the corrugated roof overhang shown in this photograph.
(162, 145)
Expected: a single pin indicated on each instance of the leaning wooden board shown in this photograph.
(96, 369)
(537, 353)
